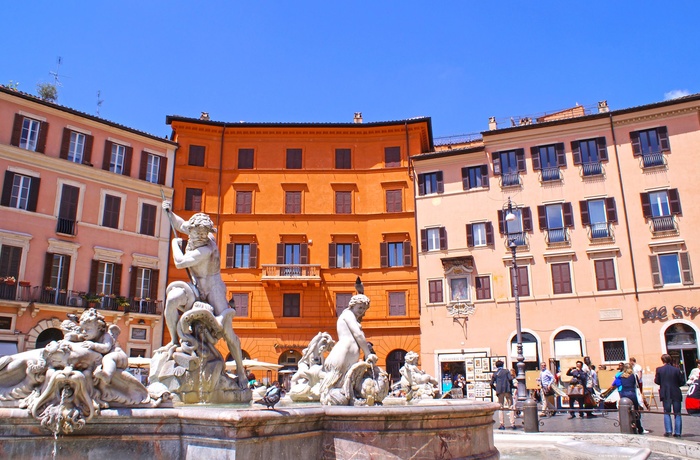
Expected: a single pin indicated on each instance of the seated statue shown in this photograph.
(416, 383)
(306, 381)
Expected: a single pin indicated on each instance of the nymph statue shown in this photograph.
(306, 381)
(416, 383)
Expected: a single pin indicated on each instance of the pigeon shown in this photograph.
(272, 396)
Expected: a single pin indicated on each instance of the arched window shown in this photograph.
(394, 361)
(567, 344)
(47, 336)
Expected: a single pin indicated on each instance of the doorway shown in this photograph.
(682, 345)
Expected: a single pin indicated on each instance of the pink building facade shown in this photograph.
(605, 234)
(80, 224)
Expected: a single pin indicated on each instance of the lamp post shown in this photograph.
(520, 377)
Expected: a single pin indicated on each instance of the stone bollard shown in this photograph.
(530, 416)
(626, 419)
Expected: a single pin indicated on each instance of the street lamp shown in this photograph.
(520, 377)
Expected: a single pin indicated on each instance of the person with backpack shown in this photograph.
(502, 384)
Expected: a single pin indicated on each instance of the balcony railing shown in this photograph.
(663, 224)
(65, 226)
(592, 169)
(68, 298)
(557, 236)
(550, 174)
(600, 231)
(652, 160)
(510, 179)
(519, 238)
(291, 271)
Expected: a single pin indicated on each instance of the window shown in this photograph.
(605, 275)
(153, 168)
(508, 165)
(395, 254)
(475, 177)
(479, 234)
(105, 282)
(292, 202)
(148, 219)
(392, 157)
(548, 159)
(240, 302)
(67, 210)
(343, 202)
(344, 255)
(10, 259)
(20, 191)
(555, 219)
(650, 144)
(110, 214)
(116, 159)
(523, 282)
(241, 255)
(342, 300)
(435, 291)
(614, 351)
(76, 147)
(433, 239)
(244, 202)
(589, 153)
(293, 255)
(459, 289)
(430, 183)
(671, 268)
(291, 306)
(246, 158)
(660, 207)
(293, 158)
(196, 155)
(561, 278)
(397, 304)
(515, 230)
(483, 287)
(599, 215)
(342, 159)
(394, 201)
(142, 288)
(193, 199)
(56, 272)
(29, 134)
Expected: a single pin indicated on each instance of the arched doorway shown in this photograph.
(245, 354)
(530, 351)
(394, 361)
(289, 361)
(567, 344)
(682, 344)
(47, 336)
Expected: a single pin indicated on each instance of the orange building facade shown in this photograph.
(301, 211)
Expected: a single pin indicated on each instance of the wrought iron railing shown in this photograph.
(663, 224)
(654, 159)
(80, 299)
(592, 169)
(510, 179)
(600, 231)
(519, 238)
(65, 226)
(291, 271)
(557, 235)
(550, 174)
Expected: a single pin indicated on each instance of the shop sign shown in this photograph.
(677, 312)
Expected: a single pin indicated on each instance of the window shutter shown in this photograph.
(126, 171)
(520, 158)
(646, 205)
(655, 272)
(94, 266)
(556, 279)
(523, 281)
(585, 220)
(355, 255)
(424, 240)
(576, 152)
(440, 184)
(470, 236)
(535, 153)
(383, 254)
(496, 162)
(421, 184)
(636, 144)
(155, 275)
(484, 176)
(253, 261)
(41, 140)
(280, 253)
(7, 188)
(107, 155)
(17, 130)
(132, 281)
(407, 254)
(48, 265)
(686, 271)
(611, 210)
(527, 219)
(602, 149)
(229, 255)
(332, 255)
(163, 168)
(674, 201)
(489, 233)
(33, 194)
(144, 165)
(501, 222)
(465, 178)
(542, 217)
(561, 154)
(443, 238)
(117, 282)
(568, 215)
(65, 144)
(87, 150)
(662, 133)
(304, 253)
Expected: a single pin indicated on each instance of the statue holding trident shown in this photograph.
(197, 312)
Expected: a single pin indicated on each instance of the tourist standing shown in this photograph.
(502, 384)
(670, 379)
(546, 380)
(639, 372)
(628, 383)
(577, 388)
(694, 374)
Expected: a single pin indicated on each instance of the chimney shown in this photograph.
(204, 116)
(357, 118)
(603, 107)
(492, 124)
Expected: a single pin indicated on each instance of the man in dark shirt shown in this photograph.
(670, 380)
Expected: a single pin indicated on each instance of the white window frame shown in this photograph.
(153, 168)
(613, 339)
(116, 158)
(76, 149)
(19, 198)
(29, 137)
(657, 204)
(433, 237)
(678, 266)
(139, 326)
(479, 234)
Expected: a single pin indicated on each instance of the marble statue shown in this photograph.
(306, 381)
(65, 384)
(197, 315)
(415, 383)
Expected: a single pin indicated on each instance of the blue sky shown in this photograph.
(458, 62)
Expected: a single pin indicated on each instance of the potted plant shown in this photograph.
(92, 299)
(10, 280)
(25, 283)
(123, 302)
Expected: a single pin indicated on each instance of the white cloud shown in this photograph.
(675, 94)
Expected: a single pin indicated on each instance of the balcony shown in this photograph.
(601, 232)
(510, 180)
(592, 169)
(519, 238)
(550, 174)
(557, 237)
(65, 226)
(304, 274)
(653, 160)
(663, 226)
(79, 299)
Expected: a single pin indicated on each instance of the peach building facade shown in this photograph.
(81, 224)
(302, 210)
(604, 230)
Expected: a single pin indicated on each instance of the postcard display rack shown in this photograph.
(479, 367)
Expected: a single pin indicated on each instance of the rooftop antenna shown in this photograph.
(56, 81)
(99, 102)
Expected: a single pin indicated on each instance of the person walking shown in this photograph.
(502, 384)
(670, 379)
(546, 380)
(627, 385)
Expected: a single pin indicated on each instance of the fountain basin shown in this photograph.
(439, 429)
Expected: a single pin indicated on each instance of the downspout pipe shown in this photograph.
(411, 176)
(624, 209)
